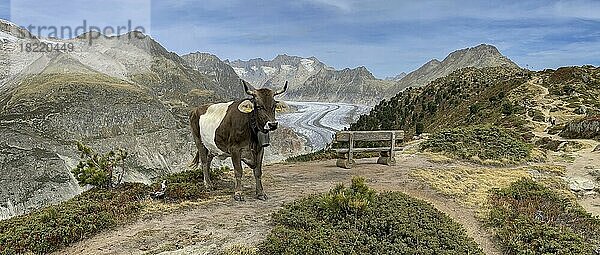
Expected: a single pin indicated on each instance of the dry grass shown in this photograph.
(550, 169)
(469, 186)
(438, 158)
(239, 249)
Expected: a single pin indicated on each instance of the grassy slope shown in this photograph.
(467, 96)
(495, 95)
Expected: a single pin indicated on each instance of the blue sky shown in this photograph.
(388, 37)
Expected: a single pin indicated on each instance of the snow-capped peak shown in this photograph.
(7, 37)
(308, 64)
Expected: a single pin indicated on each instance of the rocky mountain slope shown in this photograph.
(356, 85)
(117, 92)
(480, 56)
(218, 71)
(311, 80)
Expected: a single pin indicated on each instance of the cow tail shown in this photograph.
(196, 160)
(195, 124)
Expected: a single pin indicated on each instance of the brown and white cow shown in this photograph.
(232, 130)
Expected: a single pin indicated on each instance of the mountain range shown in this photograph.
(312, 80)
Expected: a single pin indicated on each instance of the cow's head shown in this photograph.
(263, 105)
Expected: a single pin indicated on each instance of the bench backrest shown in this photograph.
(371, 136)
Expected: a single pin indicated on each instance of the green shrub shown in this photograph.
(529, 218)
(356, 220)
(48, 229)
(537, 115)
(419, 128)
(98, 169)
(485, 142)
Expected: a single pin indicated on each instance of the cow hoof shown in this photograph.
(262, 197)
(238, 197)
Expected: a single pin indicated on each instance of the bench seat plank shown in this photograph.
(371, 136)
(345, 150)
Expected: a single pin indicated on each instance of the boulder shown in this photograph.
(577, 184)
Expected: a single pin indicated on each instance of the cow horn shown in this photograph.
(249, 90)
(283, 90)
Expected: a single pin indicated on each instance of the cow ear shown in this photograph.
(246, 106)
(281, 107)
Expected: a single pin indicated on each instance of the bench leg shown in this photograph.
(344, 162)
(385, 159)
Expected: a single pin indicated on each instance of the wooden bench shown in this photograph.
(386, 154)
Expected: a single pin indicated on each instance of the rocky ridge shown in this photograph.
(483, 55)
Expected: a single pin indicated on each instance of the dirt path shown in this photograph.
(540, 103)
(208, 227)
(585, 161)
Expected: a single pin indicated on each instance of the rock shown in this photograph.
(580, 184)
(585, 128)
(581, 110)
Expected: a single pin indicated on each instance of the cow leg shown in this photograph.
(260, 194)
(206, 162)
(239, 171)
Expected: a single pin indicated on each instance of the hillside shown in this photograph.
(479, 56)
(117, 92)
(519, 99)
(311, 80)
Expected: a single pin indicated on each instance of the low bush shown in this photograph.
(324, 154)
(321, 154)
(356, 220)
(483, 142)
(189, 185)
(48, 229)
(548, 143)
(529, 218)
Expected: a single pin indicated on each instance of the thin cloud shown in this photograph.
(342, 5)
